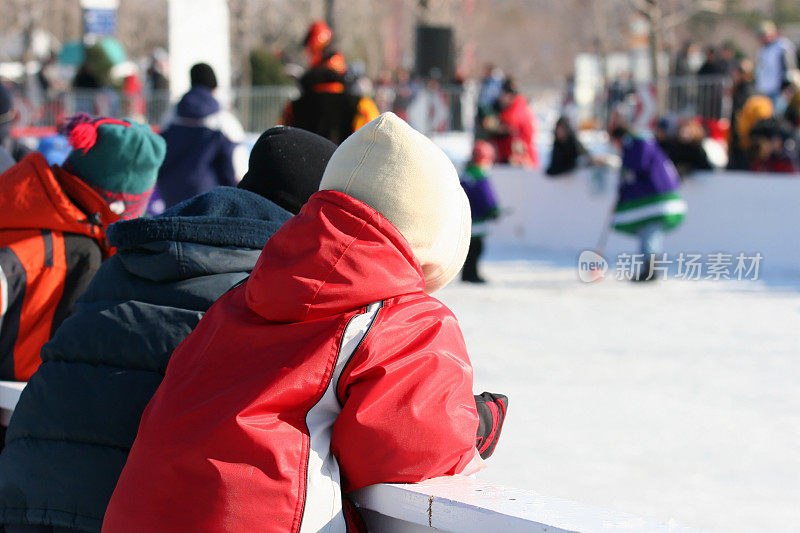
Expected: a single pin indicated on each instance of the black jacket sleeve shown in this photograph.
(83, 257)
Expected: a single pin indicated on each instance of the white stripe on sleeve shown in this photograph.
(323, 506)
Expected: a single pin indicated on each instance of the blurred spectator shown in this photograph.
(135, 104)
(789, 102)
(156, 72)
(619, 90)
(12, 148)
(46, 75)
(710, 90)
(684, 147)
(771, 147)
(491, 85)
(405, 92)
(741, 90)
(757, 108)
(428, 112)
(384, 91)
(482, 204)
(713, 65)
(514, 130)
(568, 152)
(488, 95)
(728, 57)
(775, 60)
(317, 40)
(569, 107)
(86, 78)
(689, 59)
(201, 139)
(325, 106)
(358, 81)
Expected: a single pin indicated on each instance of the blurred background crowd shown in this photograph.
(715, 82)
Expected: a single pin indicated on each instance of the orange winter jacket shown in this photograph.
(52, 240)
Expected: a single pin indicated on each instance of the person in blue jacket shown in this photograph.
(77, 418)
(648, 202)
(201, 140)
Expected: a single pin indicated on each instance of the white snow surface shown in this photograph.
(675, 400)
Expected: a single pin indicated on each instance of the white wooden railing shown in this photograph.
(458, 504)
(466, 505)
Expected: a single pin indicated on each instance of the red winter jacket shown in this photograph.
(329, 367)
(518, 146)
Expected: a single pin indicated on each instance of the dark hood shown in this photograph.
(222, 230)
(198, 103)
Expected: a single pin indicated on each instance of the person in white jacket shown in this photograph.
(776, 59)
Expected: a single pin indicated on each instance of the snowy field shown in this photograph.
(677, 400)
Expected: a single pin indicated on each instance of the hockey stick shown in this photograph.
(599, 249)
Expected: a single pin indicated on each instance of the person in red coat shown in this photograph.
(331, 368)
(514, 131)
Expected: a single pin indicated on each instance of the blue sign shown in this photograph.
(100, 22)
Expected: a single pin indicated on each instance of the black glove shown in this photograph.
(491, 414)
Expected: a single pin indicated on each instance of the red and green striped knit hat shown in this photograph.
(117, 158)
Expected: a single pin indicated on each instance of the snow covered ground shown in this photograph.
(677, 400)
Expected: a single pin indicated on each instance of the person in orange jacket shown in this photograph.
(325, 106)
(52, 228)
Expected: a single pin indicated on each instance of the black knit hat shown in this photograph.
(286, 166)
(203, 75)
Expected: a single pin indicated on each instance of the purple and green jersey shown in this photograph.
(482, 201)
(648, 188)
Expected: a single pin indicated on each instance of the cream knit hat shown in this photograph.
(404, 176)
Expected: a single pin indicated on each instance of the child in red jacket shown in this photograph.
(330, 369)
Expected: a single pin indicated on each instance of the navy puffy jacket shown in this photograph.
(199, 154)
(77, 418)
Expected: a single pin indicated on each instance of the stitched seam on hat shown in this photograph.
(364, 155)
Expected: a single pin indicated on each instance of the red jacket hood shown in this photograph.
(35, 196)
(337, 255)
